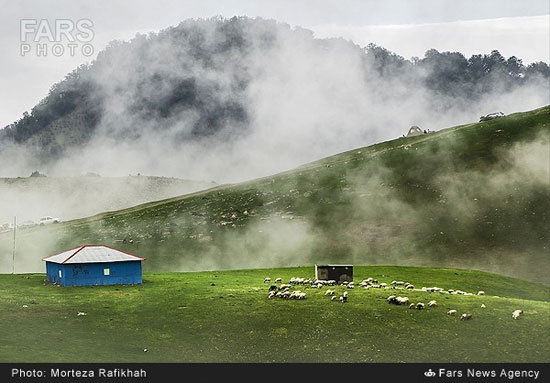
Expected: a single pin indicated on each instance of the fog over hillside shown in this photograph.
(233, 99)
(76, 197)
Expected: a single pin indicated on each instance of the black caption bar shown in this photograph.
(168, 372)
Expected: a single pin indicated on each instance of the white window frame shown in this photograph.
(60, 273)
(107, 271)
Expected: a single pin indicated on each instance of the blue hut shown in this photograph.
(94, 265)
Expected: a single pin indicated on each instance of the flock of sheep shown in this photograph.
(283, 291)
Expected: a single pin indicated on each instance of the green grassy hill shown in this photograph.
(225, 316)
(474, 196)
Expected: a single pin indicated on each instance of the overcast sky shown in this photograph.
(407, 27)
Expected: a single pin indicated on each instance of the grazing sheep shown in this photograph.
(267, 280)
(451, 312)
(397, 300)
(273, 288)
(350, 285)
(432, 303)
(420, 306)
(331, 282)
(411, 306)
(329, 292)
(343, 299)
(516, 314)
(271, 294)
(333, 298)
(466, 317)
(402, 300)
(410, 287)
(393, 282)
(483, 306)
(399, 283)
(383, 285)
(279, 280)
(80, 313)
(481, 293)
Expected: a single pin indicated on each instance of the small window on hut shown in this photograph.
(106, 271)
(60, 273)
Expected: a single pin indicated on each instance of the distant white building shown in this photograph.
(415, 131)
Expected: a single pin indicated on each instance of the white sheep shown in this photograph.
(432, 303)
(451, 312)
(402, 300)
(420, 306)
(279, 280)
(481, 293)
(466, 317)
(411, 306)
(80, 313)
(483, 306)
(410, 287)
(267, 280)
(516, 314)
(333, 298)
(329, 292)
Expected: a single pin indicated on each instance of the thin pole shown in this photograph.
(13, 256)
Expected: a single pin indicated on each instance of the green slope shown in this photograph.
(225, 316)
(474, 196)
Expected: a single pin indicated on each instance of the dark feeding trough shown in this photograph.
(338, 273)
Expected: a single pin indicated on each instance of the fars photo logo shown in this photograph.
(429, 373)
(43, 38)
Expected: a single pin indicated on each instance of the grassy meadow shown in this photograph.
(225, 316)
